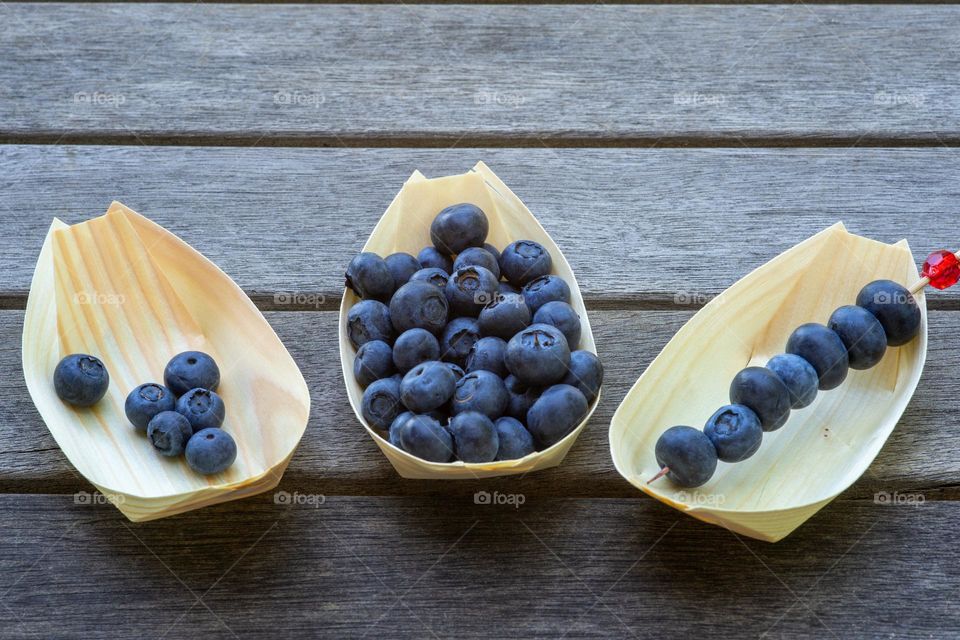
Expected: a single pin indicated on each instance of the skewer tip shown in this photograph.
(664, 471)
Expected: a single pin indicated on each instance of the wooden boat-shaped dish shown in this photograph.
(823, 448)
(133, 294)
(406, 227)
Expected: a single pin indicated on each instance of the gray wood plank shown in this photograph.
(430, 568)
(415, 75)
(679, 225)
(337, 457)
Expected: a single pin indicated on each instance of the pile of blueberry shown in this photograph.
(818, 357)
(182, 416)
(466, 352)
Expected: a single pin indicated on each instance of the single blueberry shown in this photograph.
(562, 316)
(493, 251)
(798, 375)
(545, 289)
(538, 355)
(191, 370)
(146, 401)
(203, 408)
(862, 335)
(515, 441)
(487, 354)
(556, 413)
(430, 258)
(459, 226)
(402, 266)
(688, 454)
(395, 427)
(418, 304)
(80, 380)
(504, 317)
(523, 261)
(381, 403)
(425, 438)
(585, 373)
(735, 432)
(762, 391)
(482, 392)
(369, 320)
(521, 397)
(896, 309)
(458, 339)
(414, 346)
(477, 257)
(427, 386)
(168, 432)
(822, 348)
(211, 451)
(369, 277)
(436, 277)
(374, 361)
(470, 289)
(475, 437)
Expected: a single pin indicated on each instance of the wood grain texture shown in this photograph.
(424, 568)
(336, 456)
(679, 225)
(425, 75)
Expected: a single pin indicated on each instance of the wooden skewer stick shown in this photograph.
(664, 471)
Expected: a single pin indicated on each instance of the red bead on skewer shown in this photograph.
(942, 269)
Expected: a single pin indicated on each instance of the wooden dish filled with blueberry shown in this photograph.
(465, 344)
(779, 393)
(158, 377)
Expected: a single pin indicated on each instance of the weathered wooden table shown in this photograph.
(669, 149)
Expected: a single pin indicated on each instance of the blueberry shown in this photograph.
(402, 266)
(146, 401)
(822, 348)
(798, 375)
(545, 289)
(458, 339)
(418, 304)
(896, 309)
(436, 277)
(455, 368)
(168, 432)
(80, 380)
(427, 386)
(191, 370)
(459, 226)
(523, 261)
(735, 432)
(762, 391)
(369, 320)
(369, 277)
(515, 441)
(504, 317)
(470, 289)
(563, 317)
(475, 437)
(430, 258)
(688, 454)
(395, 427)
(477, 257)
(425, 438)
(585, 373)
(381, 403)
(862, 335)
(374, 361)
(538, 356)
(508, 289)
(414, 346)
(521, 397)
(211, 451)
(482, 392)
(487, 354)
(203, 408)
(556, 413)
(493, 251)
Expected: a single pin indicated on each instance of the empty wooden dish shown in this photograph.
(127, 291)
(823, 448)
(406, 227)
